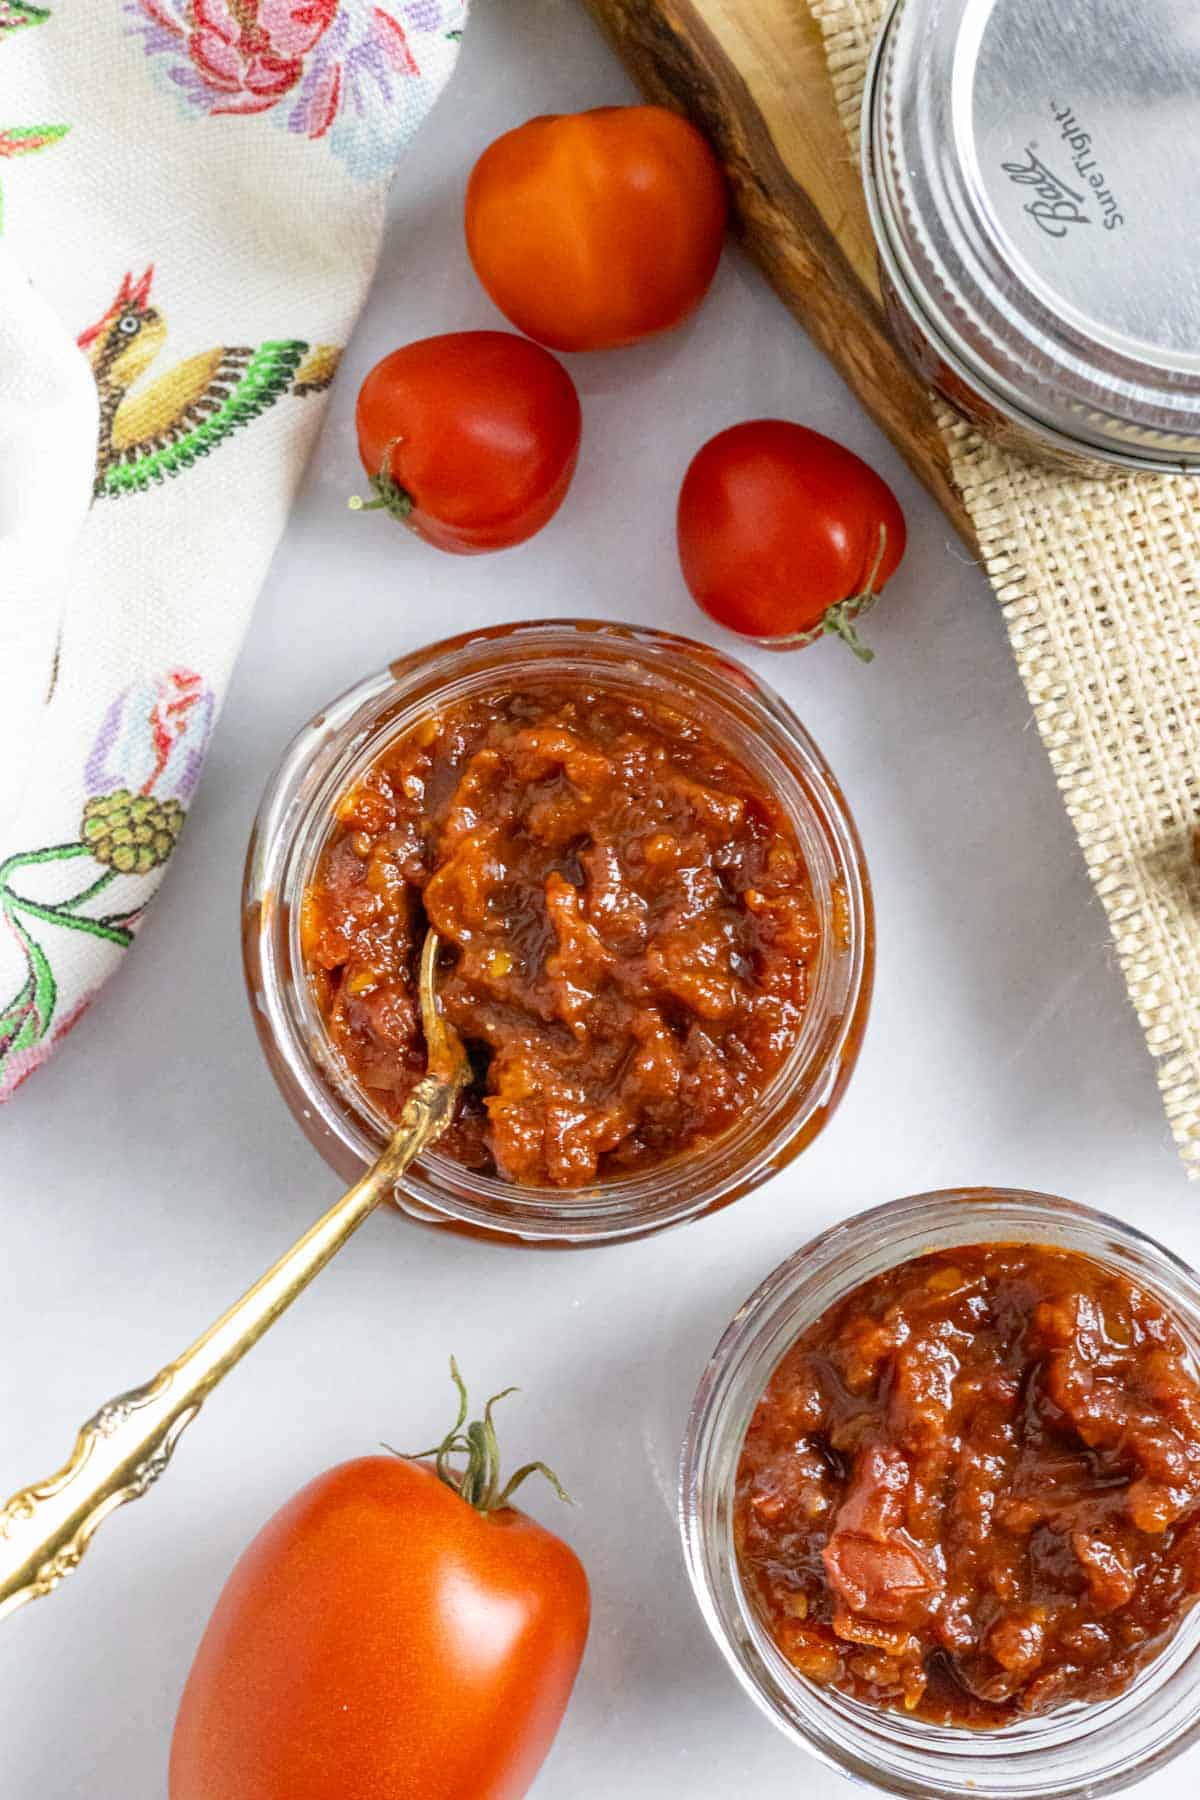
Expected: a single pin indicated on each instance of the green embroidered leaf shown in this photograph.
(16, 13)
(14, 1017)
(52, 915)
(20, 140)
(89, 893)
(43, 989)
(49, 853)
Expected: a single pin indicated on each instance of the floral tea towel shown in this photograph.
(192, 194)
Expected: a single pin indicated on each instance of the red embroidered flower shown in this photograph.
(253, 51)
(360, 73)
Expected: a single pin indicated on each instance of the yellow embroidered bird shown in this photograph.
(163, 426)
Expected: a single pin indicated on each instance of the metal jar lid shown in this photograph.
(1033, 173)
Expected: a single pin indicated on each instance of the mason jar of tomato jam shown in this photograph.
(515, 742)
(1023, 1372)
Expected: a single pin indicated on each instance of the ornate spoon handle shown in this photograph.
(124, 1448)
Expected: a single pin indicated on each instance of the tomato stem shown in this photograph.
(389, 495)
(479, 1482)
(839, 622)
(838, 619)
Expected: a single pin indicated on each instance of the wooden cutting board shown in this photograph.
(752, 76)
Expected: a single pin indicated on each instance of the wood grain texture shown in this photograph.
(752, 76)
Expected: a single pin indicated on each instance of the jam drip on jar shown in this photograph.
(971, 1490)
(632, 928)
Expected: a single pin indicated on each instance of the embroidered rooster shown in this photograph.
(163, 426)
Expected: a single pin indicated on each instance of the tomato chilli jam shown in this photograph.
(631, 934)
(971, 1490)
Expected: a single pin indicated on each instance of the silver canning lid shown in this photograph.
(1033, 173)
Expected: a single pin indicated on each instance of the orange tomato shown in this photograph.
(381, 1639)
(595, 229)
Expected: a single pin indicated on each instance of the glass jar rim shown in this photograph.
(292, 824)
(1017, 343)
(1061, 1755)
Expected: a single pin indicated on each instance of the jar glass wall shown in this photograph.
(734, 709)
(1075, 1751)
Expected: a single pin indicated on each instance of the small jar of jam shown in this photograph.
(940, 1498)
(655, 917)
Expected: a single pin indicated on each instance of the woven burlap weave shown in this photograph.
(1099, 580)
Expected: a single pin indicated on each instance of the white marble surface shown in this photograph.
(151, 1171)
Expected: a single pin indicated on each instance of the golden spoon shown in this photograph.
(121, 1452)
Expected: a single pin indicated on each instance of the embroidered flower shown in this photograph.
(131, 833)
(153, 738)
(143, 767)
(253, 54)
(359, 73)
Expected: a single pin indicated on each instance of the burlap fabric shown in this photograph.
(1099, 580)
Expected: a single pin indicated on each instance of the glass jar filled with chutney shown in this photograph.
(653, 909)
(941, 1498)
